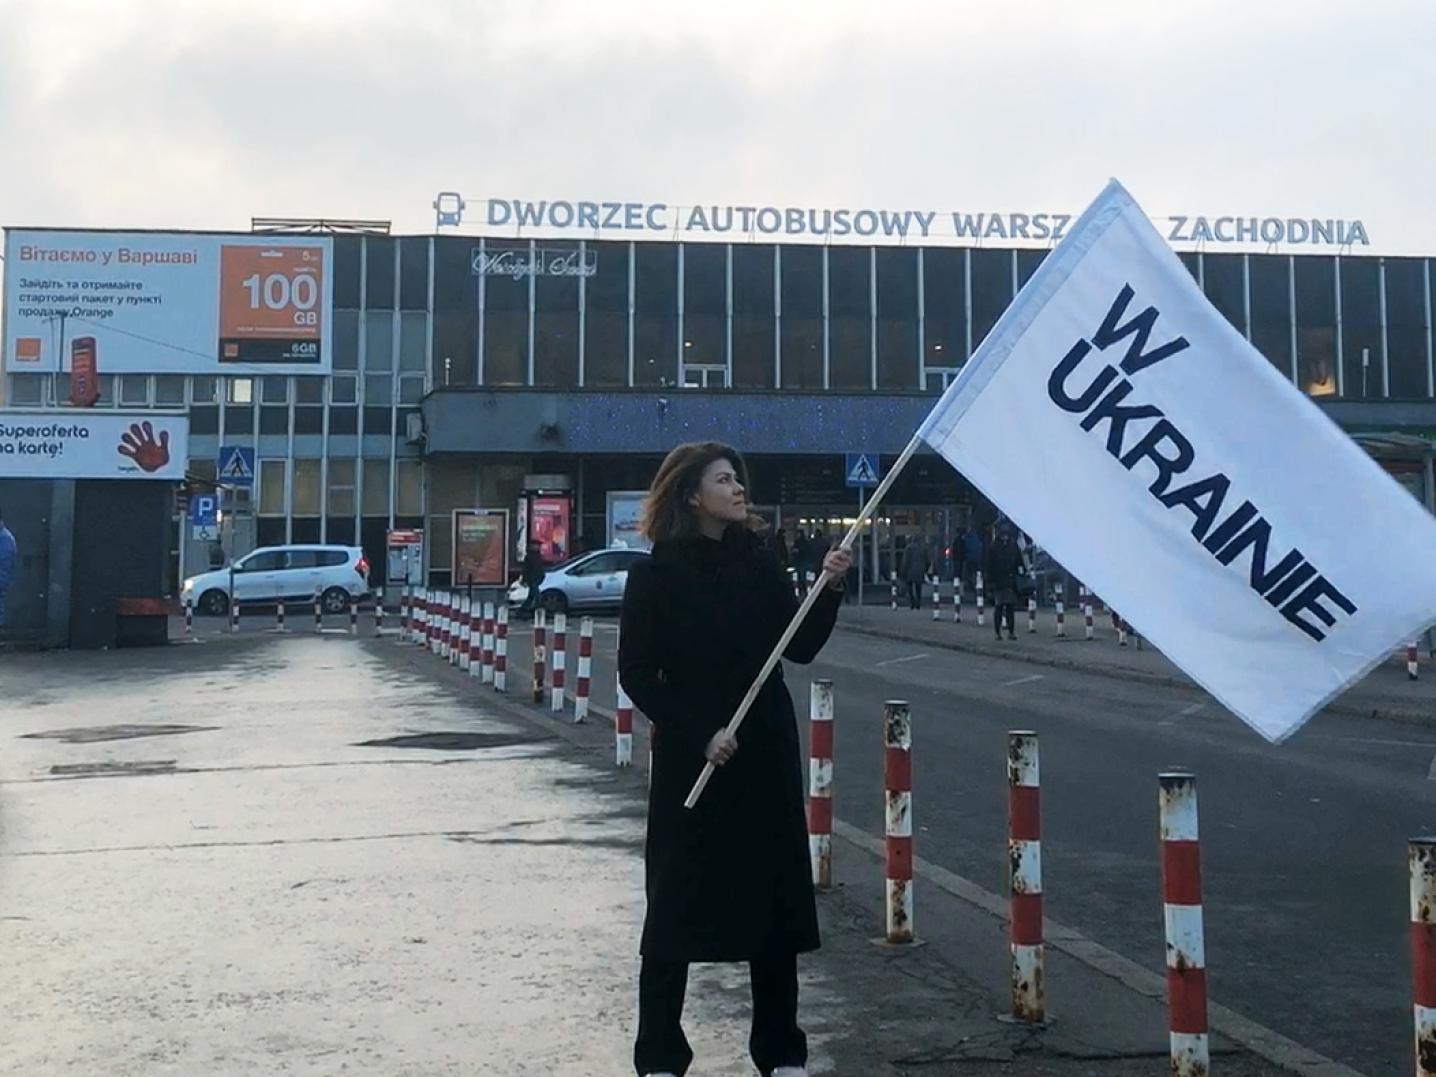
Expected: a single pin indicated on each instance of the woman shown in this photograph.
(730, 879)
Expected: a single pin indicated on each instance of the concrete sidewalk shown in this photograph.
(1386, 692)
(315, 855)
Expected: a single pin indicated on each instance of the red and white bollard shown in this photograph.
(1061, 618)
(234, 615)
(449, 633)
(1186, 947)
(279, 616)
(1121, 631)
(957, 600)
(981, 603)
(405, 612)
(1024, 858)
(379, 612)
(1088, 627)
(585, 670)
(558, 662)
(1031, 614)
(936, 597)
(892, 591)
(465, 648)
(820, 782)
(1412, 671)
(539, 647)
(501, 649)
(189, 620)
(436, 615)
(420, 611)
(623, 729)
(1422, 859)
(353, 616)
(486, 645)
(897, 778)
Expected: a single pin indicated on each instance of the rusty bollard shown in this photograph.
(820, 782)
(897, 775)
(1024, 858)
(1423, 952)
(1186, 946)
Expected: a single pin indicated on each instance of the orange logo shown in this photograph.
(27, 349)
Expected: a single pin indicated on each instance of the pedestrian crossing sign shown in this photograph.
(861, 468)
(236, 466)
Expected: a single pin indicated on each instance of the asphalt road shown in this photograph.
(1304, 844)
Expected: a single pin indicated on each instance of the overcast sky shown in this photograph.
(190, 114)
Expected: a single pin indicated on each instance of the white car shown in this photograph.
(589, 581)
(338, 574)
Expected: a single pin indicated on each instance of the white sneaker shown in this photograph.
(791, 1071)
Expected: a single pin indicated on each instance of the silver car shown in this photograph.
(589, 581)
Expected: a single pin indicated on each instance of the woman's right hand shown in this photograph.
(721, 747)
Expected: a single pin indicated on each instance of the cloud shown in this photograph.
(171, 114)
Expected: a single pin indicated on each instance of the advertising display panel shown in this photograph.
(168, 303)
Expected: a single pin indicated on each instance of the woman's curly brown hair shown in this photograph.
(666, 512)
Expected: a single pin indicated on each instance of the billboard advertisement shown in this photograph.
(481, 547)
(625, 511)
(168, 303)
(549, 527)
(93, 445)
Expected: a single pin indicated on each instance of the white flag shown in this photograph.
(1120, 420)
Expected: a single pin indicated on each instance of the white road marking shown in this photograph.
(1024, 680)
(1186, 712)
(905, 658)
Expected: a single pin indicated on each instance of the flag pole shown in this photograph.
(808, 600)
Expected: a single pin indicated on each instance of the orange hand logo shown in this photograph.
(139, 444)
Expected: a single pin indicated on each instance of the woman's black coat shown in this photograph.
(730, 879)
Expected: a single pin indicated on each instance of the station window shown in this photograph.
(605, 331)
(375, 501)
(655, 317)
(1271, 308)
(506, 323)
(271, 487)
(556, 332)
(413, 343)
(379, 266)
(274, 389)
(134, 390)
(1225, 287)
(169, 389)
(408, 487)
(897, 318)
(1361, 329)
(1406, 326)
(203, 389)
(306, 487)
(378, 340)
(705, 305)
(850, 324)
(27, 388)
(753, 317)
(944, 308)
(346, 340)
(341, 487)
(801, 354)
(991, 290)
(238, 391)
(343, 389)
(411, 388)
(1316, 325)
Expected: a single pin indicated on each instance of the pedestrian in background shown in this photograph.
(533, 574)
(1003, 564)
(972, 551)
(729, 880)
(8, 550)
(914, 570)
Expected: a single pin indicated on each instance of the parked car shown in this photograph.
(590, 581)
(338, 574)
